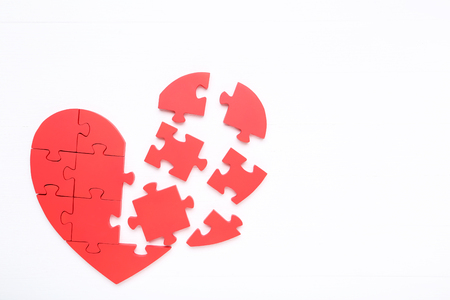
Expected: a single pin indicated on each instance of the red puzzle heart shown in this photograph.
(77, 167)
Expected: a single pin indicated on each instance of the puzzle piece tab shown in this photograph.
(221, 230)
(99, 171)
(161, 213)
(118, 262)
(245, 112)
(53, 207)
(44, 172)
(90, 221)
(101, 131)
(180, 96)
(182, 155)
(59, 132)
(242, 182)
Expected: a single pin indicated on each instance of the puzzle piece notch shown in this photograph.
(161, 213)
(53, 207)
(221, 230)
(182, 155)
(100, 171)
(59, 132)
(101, 131)
(181, 96)
(245, 112)
(45, 172)
(90, 220)
(242, 182)
(118, 262)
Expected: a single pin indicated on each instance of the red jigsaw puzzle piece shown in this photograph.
(53, 207)
(101, 131)
(44, 171)
(59, 132)
(221, 230)
(161, 213)
(90, 221)
(238, 179)
(118, 262)
(181, 98)
(245, 112)
(99, 171)
(182, 155)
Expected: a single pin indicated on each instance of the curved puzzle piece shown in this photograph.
(161, 213)
(245, 112)
(221, 230)
(180, 96)
(118, 262)
(238, 179)
(182, 155)
(99, 171)
(101, 131)
(90, 221)
(53, 206)
(44, 172)
(59, 132)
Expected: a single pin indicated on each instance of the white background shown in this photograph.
(356, 204)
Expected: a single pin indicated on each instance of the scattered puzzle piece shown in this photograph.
(161, 213)
(101, 131)
(90, 220)
(53, 206)
(221, 230)
(59, 132)
(245, 112)
(118, 262)
(44, 172)
(99, 171)
(182, 155)
(242, 182)
(180, 96)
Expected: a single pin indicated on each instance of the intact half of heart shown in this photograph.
(77, 168)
